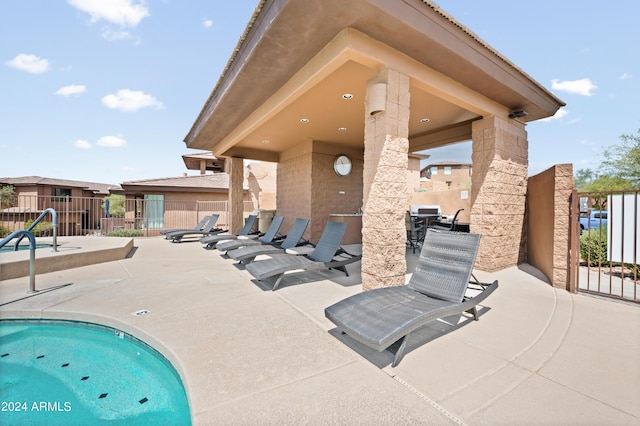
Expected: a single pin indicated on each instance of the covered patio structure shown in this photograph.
(373, 80)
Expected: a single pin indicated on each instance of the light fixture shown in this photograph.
(342, 129)
(518, 113)
(347, 96)
(266, 141)
(424, 120)
(304, 120)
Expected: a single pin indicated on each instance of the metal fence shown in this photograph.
(94, 216)
(605, 244)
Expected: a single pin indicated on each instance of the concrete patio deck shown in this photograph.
(248, 355)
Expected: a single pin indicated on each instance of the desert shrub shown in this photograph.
(126, 233)
(593, 246)
(4, 231)
(42, 229)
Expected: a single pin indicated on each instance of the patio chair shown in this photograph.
(247, 230)
(269, 237)
(447, 226)
(246, 254)
(383, 316)
(415, 231)
(198, 227)
(178, 236)
(326, 255)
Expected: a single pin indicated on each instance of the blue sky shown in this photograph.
(106, 90)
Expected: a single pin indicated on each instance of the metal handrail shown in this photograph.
(54, 218)
(32, 254)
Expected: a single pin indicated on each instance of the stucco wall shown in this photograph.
(449, 201)
(548, 222)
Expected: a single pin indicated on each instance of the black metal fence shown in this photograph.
(606, 243)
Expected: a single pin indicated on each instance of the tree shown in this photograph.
(623, 161)
(7, 196)
(619, 170)
(116, 205)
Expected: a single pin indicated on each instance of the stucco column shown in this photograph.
(498, 191)
(235, 168)
(385, 198)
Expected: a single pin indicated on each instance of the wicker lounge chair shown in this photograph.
(269, 237)
(246, 254)
(209, 229)
(198, 227)
(380, 317)
(326, 255)
(247, 230)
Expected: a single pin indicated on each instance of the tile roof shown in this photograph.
(97, 188)
(207, 181)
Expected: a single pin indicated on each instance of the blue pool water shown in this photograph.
(71, 373)
(11, 247)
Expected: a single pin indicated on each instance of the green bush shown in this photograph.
(593, 246)
(41, 229)
(126, 233)
(4, 231)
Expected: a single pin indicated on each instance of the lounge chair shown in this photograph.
(247, 230)
(380, 317)
(326, 255)
(198, 227)
(269, 237)
(246, 254)
(209, 229)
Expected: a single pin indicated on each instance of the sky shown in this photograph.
(106, 90)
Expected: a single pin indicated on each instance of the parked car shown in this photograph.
(595, 220)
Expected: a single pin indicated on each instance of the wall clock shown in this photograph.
(342, 165)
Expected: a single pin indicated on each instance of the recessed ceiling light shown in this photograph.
(342, 129)
(266, 141)
(304, 120)
(347, 96)
(424, 120)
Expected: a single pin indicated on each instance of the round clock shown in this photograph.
(342, 165)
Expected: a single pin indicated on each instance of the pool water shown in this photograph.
(11, 247)
(71, 373)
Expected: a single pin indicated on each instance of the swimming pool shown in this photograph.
(65, 372)
(11, 247)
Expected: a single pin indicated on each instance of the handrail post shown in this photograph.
(32, 254)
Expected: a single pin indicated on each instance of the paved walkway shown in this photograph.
(248, 355)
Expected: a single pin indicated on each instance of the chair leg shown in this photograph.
(400, 351)
(275, 286)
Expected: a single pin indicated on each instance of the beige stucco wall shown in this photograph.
(260, 177)
(448, 200)
(548, 216)
(308, 187)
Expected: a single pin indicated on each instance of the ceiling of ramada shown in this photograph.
(256, 109)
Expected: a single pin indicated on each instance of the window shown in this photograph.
(434, 170)
(447, 170)
(60, 194)
(153, 211)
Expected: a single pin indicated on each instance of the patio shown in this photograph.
(538, 355)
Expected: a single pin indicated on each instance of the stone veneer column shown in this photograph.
(235, 168)
(385, 198)
(498, 191)
(563, 186)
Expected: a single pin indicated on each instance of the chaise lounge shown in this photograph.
(178, 236)
(268, 238)
(326, 255)
(381, 317)
(247, 230)
(246, 254)
(198, 227)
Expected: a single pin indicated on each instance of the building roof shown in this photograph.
(216, 182)
(296, 58)
(96, 188)
(211, 162)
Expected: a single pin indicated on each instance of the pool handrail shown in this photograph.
(32, 254)
(54, 224)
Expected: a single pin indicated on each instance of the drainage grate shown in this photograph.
(143, 400)
(40, 356)
(3, 355)
(65, 365)
(140, 312)
(85, 378)
(103, 395)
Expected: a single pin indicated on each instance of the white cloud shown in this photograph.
(111, 142)
(72, 89)
(29, 63)
(115, 35)
(576, 87)
(131, 100)
(207, 23)
(82, 144)
(126, 13)
(557, 116)
(624, 76)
